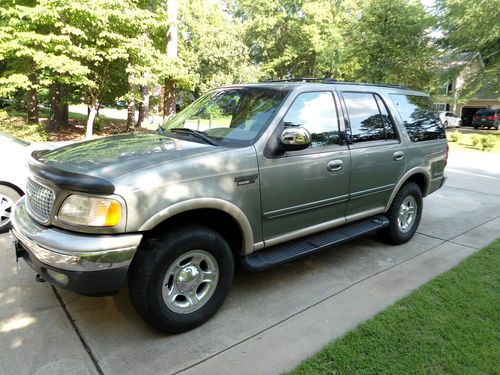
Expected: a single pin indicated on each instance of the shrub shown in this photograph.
(488, 142)
(476, 139)
(455, 136)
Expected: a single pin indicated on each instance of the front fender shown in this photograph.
(201, 203)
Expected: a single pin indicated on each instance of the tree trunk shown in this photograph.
(169, 94)
(64, 106)
(130, 100)
(92, 110)
(144, 106)
(56, 113)
(169, 91)
(32, 99)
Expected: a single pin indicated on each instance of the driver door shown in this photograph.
(306, 190)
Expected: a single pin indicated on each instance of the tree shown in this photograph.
(470, 26)
(211, 48)
(293, 38)
(389, 43)
(169, 89)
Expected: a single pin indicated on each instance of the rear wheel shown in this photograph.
(180, 279)
(404, 215)
(8, 197)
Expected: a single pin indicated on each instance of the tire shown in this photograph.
(166, 278)
(445, 124)
(8, 196)
(476, 127)
(459, 124)
(399, 232)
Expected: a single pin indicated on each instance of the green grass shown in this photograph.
(449, 326)
(465, 141)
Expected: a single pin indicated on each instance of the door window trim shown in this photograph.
(342, 146)
(374, 143)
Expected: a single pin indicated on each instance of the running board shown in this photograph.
(279, 254)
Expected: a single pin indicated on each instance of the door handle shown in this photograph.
(398, 155)
(334, 165)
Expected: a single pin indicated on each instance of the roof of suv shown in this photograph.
(313, 84)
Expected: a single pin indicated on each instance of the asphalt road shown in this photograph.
(272, 320)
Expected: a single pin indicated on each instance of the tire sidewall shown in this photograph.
(13, 195)
(409, 189)
(169, 249)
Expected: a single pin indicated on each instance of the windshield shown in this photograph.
(234, 115)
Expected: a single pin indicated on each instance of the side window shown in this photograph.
(316, 112)
(419, 118)
(366, 122)
(390, 133)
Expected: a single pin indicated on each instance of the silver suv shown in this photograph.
(257, 173)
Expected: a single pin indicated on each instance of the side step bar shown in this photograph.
(279, 254)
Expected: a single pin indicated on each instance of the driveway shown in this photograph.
(272, 320)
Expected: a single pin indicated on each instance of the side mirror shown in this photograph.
(295, 138)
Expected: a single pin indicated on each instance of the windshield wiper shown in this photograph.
(197, 133)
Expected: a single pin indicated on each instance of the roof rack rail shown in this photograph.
(333, 81)
(300, 79)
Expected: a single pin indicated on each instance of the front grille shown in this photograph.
(40, 200)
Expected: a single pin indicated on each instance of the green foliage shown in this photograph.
(293, 38)
(475, 140)
(488, 142)
(211, 47)
(455, 136)
(390, 44)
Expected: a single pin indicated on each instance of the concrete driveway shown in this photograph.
(272, 320)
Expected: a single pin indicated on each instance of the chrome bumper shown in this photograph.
(72, 251)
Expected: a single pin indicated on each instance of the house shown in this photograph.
(463, 67)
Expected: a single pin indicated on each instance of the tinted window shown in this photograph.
(485, 112)
(365, 117)
(316, 112)
(420, 121)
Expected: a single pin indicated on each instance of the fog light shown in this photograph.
(58, 277)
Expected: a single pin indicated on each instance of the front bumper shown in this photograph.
(83, 263)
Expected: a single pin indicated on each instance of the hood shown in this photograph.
(112, 157)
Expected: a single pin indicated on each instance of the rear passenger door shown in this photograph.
(377, 154)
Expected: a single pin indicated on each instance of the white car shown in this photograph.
(449, 120)
(14, 154)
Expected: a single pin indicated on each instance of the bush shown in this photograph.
(488, 142)
(476, 139)
(455, 136)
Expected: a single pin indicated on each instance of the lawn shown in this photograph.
(449, 326)
(465, 140)
(14, 123)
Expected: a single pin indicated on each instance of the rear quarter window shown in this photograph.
(419, 118)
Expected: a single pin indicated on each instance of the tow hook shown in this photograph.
(39, 278)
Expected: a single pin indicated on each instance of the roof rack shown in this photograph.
(331, 81)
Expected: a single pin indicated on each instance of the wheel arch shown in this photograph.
(419, 175)
(217, 214)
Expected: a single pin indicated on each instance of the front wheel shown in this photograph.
(180, 279)
(8, 197)
(404, 215)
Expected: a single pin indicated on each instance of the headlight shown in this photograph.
(90, 211)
